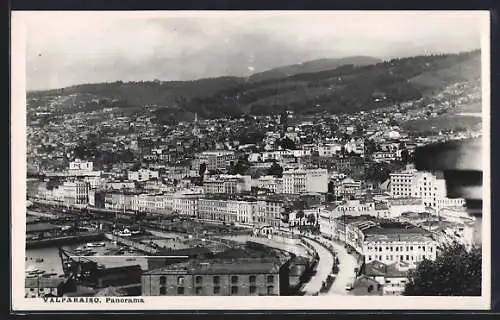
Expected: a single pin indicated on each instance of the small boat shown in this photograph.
(97, 244)
(39, 260)
(130, 259)
(31, 269)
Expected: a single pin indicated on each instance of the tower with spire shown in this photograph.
(196, 130)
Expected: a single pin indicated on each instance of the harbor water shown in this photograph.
(52, 263)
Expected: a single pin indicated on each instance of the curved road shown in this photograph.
(323, 269)
(347, 263)
(298, 250)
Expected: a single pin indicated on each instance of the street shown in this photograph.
(323, 269)
(298, 250)
(347, 263)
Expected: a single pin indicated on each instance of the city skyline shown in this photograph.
(187, 46)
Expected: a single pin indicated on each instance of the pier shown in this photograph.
(131, 243)
(66, 240)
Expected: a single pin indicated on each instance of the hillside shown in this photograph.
(311, 67)
(142, 93)
(345, 89)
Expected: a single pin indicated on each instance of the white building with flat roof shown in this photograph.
(305, 180)
(142, 175)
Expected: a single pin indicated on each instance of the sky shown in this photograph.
(68, 48)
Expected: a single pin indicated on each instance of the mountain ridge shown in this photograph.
(347, 88)
(312, 66)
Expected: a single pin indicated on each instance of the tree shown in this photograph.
(299, 215)
(370, 146)
(203, 168)
(405, 156)
(311, 219)
(275, 170)
(287, 143)
(241, 166)
(378, 172)
(455, 272)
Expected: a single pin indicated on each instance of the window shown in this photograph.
(216, 289)
(234, 279)
(397, 248)
(270, 278)
(252, 279)
(163, 280)
(216, 279)
(407, 257)
(198, 279)
(423, 248)
(253, 289)
(180, 281)
(180, 290)
(369, 258)
(163, 291)
(270, 290)
(430, 249)
(234, 290)
(199, 290)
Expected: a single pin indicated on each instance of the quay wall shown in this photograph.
(62, 241)
(131, 243)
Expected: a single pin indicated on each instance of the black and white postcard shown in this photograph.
(177, 160)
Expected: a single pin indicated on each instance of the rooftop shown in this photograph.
(41, 227)
(380, 269)
(41, 282)
(222, 267)
(395, 231)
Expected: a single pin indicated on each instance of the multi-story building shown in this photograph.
(424, 185)
(383, 241)
(271, 183)
(214, 160)
(143, 175)
(155, 203)
(123, 200)
(394, 242)
(346, 188)
(227, 210)
(185, 203)
(329, 149)
(81, 166)
(401, 184)
(227, 184)
(75, 192)
(38, 287)
(218, 277)
(298, 181)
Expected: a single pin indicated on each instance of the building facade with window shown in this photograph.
(245, 277)
(297, 181)
(403, 243)
(427, 186)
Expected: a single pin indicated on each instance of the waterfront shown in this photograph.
(52, 262)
